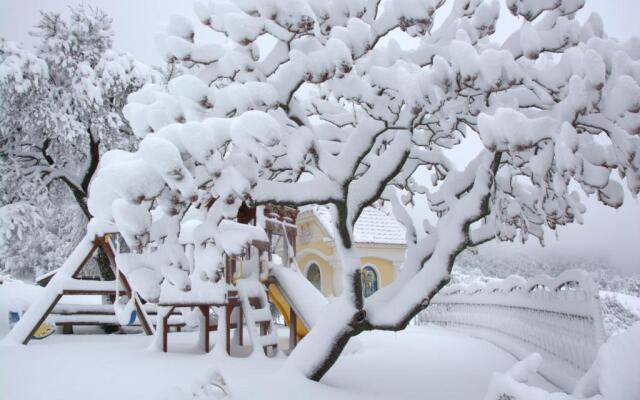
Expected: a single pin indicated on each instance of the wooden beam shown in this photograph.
(240, 326)
(181, 305)
(228, 310)
(41, 320)
(142, 316)
(293, 328)
(84, 260)
(75, 292)
(165, 329)
(204, 329)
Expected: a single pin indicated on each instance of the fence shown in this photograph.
(559, 318)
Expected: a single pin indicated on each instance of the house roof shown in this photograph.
(373, 226)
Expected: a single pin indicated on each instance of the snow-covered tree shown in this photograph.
(316, 102)
(60, 109)
(23, 241)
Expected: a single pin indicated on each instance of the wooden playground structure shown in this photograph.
(246, 303)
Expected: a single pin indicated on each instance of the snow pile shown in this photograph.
(15, 296)
(613, 375)
(308, 301)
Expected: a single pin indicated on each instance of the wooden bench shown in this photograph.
(68, 315)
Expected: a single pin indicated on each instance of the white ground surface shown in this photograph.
(407, 365)
(631, 303)
(420, 362)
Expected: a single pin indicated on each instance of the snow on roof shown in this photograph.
(373, 225)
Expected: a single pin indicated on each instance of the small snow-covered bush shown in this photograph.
(612, 377)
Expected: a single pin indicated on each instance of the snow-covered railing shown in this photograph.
(556, 317)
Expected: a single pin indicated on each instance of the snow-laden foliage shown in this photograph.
(24, 239)
(469, 267)
(617, 314)
(303, 102)
(60, 109)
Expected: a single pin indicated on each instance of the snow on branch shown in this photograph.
(312, 102)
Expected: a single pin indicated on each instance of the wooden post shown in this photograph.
(227, 269)
(293, 328)
(141, 314)
(58, 297)
(229, 308)
(240, 326)
(293, 244)
(264, 329)
(205, 329)
(270, 235)
(165, 329)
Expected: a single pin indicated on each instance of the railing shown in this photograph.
(559, 318)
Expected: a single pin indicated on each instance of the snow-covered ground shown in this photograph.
(16, 295)
(420, 361)
(631, 303)
(406, 365)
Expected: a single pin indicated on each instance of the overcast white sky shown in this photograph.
(607, 233)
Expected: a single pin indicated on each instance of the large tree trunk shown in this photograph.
(347, 316)
(81, 194)
(340, 321)
(320, 349)
(104, 266)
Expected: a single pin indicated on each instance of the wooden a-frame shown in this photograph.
(99, 242)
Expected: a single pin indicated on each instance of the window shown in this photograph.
(313, 275)
(369, 280)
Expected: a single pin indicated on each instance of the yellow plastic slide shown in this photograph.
(281, 302)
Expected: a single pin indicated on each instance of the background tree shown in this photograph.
(313, 102)
(61, 108)
(24, 238)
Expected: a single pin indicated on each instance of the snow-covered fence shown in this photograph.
(557, 317)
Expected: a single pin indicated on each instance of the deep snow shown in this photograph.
(406, 365)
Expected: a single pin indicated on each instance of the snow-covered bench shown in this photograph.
(69, 315)
(559, 318)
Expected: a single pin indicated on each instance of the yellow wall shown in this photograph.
(320, 246)
(326, 272)
(384, 267)
(313, 239)
(386, 272)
